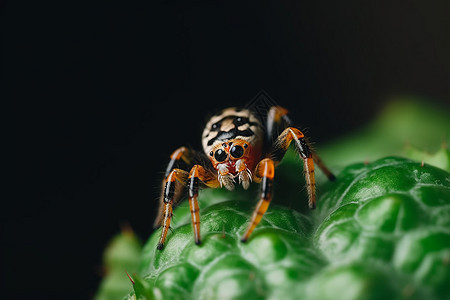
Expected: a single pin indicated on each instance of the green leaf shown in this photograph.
(121, 254)
(404, 121)
(374, 235)
(380, 231)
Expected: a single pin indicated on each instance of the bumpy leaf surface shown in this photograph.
(381, 230)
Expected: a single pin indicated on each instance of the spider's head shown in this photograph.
(226, 154)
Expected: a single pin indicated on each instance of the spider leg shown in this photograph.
(169, 193)
(207, 177)
(264, 173)
(282, 144)
(278, 120)
(181, 154)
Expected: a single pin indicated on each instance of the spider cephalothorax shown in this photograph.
(241, 149)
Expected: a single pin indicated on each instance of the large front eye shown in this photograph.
(220, 155)
(236, 151)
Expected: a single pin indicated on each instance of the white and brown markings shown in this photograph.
(232, 123)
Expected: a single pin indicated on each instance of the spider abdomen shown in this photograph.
(233, 126)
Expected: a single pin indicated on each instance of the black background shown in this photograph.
(97, 94)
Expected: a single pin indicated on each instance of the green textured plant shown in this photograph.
(381, 230)
(122, 254)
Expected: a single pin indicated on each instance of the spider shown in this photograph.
(240, 150)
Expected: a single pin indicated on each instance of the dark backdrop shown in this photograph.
(96, 95)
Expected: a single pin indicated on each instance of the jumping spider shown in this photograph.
(240, 149)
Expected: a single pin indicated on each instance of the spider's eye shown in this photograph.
(237, 151)
(220, 155)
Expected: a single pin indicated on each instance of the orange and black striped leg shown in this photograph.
(184, 155)
(176, 177)
(264, 173)
(209, 178)
(282, 144)
(277, 120)
(277, 117)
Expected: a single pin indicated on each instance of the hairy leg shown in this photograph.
(176, 176)
(181, 154)
(264, 173)
(207, 177)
